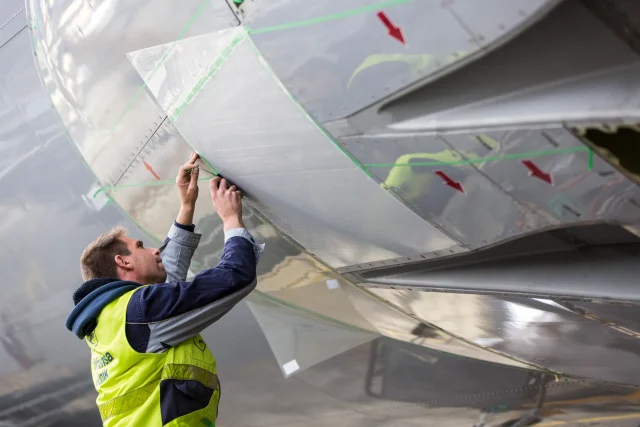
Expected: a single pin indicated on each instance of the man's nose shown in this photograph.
(155, 251)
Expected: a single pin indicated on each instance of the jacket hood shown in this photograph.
(90, 298)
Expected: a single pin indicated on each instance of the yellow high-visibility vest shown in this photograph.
(128, 382)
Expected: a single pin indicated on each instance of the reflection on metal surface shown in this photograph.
(531, 330)
(393, 322)
(623, 317)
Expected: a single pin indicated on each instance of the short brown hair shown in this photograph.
(97, 259)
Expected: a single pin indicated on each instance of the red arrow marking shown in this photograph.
(537, 172)
(150, 169)
(394, 31)
(448, 181)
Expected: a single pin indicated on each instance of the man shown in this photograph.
(149, 364)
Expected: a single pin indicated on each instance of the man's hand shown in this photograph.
(187, 183)
(226, 201)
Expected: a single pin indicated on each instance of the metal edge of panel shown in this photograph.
(363, 121)
(484, 48)
(619, 249)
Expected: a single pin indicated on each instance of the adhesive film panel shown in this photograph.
(173, 69)
(255, 135)
(300, 339)
(304, 282)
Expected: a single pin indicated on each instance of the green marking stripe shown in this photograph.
(211, 70)
(483, 160)
(332, 17)
(138, 184)
(391, 165)
(304, 112)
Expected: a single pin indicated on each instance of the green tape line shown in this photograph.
(332, 17)
(304, 112)
(386, 165)
(137, 184)
(211, 70)
(483, 160)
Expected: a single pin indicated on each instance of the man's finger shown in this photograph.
(240, 194)
(233, 188)
(185, 169)
(194, 177)
(214, 183)
(224, 185)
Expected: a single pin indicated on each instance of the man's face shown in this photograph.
(146, 262)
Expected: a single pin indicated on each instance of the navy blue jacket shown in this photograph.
(165, 314)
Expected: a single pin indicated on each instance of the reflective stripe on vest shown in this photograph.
(139, 396)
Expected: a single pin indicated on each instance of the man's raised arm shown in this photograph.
(164, 315)
(182, 241)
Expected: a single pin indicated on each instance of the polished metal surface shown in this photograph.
(570, 66)
(343, 58)
(534, 330)
(136, 86)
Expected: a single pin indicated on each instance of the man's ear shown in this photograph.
(123, 262)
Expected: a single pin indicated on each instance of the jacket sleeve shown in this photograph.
(165, 314)
(177, 250)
